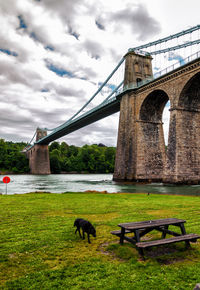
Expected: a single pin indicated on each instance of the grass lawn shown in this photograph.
(39, 249)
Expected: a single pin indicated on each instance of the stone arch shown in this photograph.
(190, 96)
(153, 106)
(152, 153)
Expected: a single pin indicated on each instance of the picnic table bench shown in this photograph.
(140, 229)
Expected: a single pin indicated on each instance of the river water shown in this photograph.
(58, 183)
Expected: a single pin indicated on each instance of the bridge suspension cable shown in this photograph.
(159, 41)
(138, 49)
(100, 88)
(190, 43)
(29, 144)
(95, 94)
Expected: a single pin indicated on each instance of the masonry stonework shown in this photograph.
(39, 156)
(141, 154)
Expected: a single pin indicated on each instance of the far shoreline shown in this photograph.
(103, 192)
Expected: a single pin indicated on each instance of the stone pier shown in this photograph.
(39, 156)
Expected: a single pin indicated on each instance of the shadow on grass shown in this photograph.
(164, 255)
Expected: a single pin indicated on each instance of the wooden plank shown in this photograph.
(166, 231)
(118, 232)
(151, 223)
(189, 237)
(144, 232)
(130, 240)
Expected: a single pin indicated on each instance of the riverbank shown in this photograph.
(41, 251)
(59, 183)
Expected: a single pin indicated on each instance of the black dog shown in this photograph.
(86, 226)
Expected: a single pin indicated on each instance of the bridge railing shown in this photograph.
(177, 64)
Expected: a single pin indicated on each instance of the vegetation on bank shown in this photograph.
(39, 249)
(11, 158)
(89, 158)
(63, 158)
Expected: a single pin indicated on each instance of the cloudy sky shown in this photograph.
(54, 54)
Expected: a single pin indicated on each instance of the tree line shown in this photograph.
(63, 158)
(89, 158)
(11, 158)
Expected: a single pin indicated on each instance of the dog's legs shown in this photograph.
(79, 232)
(83, 235)
(88, 235)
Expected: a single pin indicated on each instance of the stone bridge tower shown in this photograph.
(137, 69)
(141, 153)
(39, 156)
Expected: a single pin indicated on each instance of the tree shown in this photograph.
(72, 150)
(64, 147)
(3, 153)
(54, 145)
(55, 161)
(11, 158)
(55, 164)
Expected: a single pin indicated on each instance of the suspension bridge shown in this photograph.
(139, 87)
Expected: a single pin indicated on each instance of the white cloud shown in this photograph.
(85, 39)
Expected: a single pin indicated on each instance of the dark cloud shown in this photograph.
(137, 18)
(66, 9)
(13, 119)
(63, 91)
(26, 25)
(94, 49)
(88, 73)
(17, 74)
(69, 92)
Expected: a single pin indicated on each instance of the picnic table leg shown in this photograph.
(137, 238)
(122, 236)
(183, 231)
(163, 233)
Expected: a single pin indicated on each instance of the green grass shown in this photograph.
(39, 250)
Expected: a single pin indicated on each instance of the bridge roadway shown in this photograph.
(100, 112)
(103, 110)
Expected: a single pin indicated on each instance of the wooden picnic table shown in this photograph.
(140, 229)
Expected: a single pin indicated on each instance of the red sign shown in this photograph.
(6, 179)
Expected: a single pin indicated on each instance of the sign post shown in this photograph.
(6, 180)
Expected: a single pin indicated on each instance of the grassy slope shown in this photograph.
(39, 249)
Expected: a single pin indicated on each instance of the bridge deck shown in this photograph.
(102, 111)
